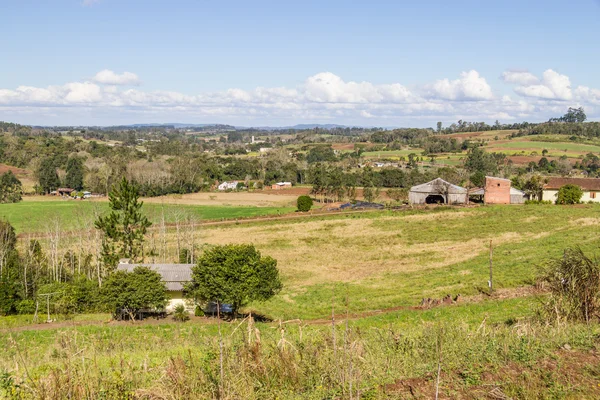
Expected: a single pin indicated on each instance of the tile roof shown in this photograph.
(583, 183)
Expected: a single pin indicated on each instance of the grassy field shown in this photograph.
(34, 216)
(372, 269)
(550, 146)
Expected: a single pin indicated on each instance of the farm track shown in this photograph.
(340, 317)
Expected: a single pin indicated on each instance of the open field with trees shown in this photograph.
(399, 302)
(371, 270)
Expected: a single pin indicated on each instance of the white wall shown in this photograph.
(551, 195)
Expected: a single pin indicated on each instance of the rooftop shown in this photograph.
(174, 275)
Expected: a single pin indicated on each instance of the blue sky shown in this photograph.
(381, 63)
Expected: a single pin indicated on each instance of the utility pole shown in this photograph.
(490, 283)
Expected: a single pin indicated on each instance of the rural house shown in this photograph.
(589, 186)
(499, 191)
(228, 185)
(437, 191)
(174, 276)
(281, 185)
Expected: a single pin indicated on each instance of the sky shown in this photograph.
(279, 63)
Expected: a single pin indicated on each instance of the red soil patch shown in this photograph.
(524, 160)
(17, 171)
(466, 135)
(343, 146)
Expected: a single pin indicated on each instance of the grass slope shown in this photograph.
(34, 216)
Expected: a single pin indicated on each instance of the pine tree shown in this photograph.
(10, 188)
(47, 175)
(124, 228)
(74, 178)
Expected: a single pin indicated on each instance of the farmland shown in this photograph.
(373, 269)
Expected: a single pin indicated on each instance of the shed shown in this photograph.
(437, 191)
(518, 196)
(174, 276)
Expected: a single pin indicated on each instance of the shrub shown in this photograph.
(569, 194)
(132, 292)
(198, 312)
(574, 283)
(304, 203)
(180, 314)
(233, 274)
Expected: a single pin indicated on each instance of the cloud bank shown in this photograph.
(111, 97)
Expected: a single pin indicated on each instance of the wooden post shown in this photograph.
(491, 282)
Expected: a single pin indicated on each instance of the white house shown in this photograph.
(589, 186)
(228, 185)
(174, 276)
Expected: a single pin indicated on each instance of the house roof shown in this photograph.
(514, 191)
(436, 186)
(174, 275)
(583, 183)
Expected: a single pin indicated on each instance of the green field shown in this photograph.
(371, 270)
(35, 216)
(539, 146)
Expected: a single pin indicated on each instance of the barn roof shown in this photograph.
(174, 275)
(436, 186)
(583, 183)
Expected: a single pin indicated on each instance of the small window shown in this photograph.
(498, 185)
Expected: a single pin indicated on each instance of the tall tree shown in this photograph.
(11, 189)
(47, 176)
(124, 228)
(234, 274)
(75, 170)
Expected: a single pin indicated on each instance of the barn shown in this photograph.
(499, 191)
(438, 191)
(174, 276)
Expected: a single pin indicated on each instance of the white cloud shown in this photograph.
(519, 77)
(552, 86)
(470, 86)
(321, 97)
(109, 77)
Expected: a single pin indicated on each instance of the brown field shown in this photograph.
(267, 198)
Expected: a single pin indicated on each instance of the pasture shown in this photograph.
(32, 216)
(371, 270)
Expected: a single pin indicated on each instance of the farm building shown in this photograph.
(437, 191)
(174, 276)
(499, 191)
(590, 187)
(228, 185)
(64, 191)
(281, 185)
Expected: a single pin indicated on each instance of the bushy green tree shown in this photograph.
(124, 228)
(75, 170)
(234, 274)
(304, 203)
(478, 179)
(11, 189)
(47, 176)
(10, 284)
(569, 194)
(132, 292)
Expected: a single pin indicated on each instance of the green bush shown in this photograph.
(26, 307)
(180, 314)
(198, 312)
(538, 202)
(569, 194)
(304, 203)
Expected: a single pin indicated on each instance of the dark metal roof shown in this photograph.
(174, 275)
